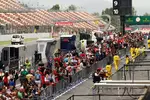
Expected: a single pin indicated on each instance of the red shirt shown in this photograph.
(83, 55)
(43, 79)
(57, 59)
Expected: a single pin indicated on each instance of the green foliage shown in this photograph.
(72, 8)
(146, 14)
(55, 8)
(96, 14)
(134, 12)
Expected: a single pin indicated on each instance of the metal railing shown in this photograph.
(63, 85)
(100, 96)
(129, 74)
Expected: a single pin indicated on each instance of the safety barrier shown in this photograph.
(52, 91)
(101, 96)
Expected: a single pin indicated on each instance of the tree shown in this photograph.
(134, 12)
(72, 8)
(55, 8)
(146, 14)
(96, 14)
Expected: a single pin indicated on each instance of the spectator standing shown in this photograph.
(28, 65)
(96, 76)
(37, 78)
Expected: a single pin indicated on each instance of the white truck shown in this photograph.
(17, 39)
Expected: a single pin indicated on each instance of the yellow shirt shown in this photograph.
(148, 41)
(137, 50)
(143, 49)
(127, 60)
(108, 69)
(116, 59)
(132, 51)
(28, 65)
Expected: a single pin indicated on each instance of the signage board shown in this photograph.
(122, 7)
(137, 20)
(116, 7)
(64, 23)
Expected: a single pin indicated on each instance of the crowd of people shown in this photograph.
(61, 67)
(130, 40)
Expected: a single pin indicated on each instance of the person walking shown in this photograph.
(116, 60)
(108, 71)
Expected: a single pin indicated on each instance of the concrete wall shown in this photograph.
(29, 35)
(147, 94)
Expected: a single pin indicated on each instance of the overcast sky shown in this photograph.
(91, 6)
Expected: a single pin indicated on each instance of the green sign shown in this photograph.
(137, 20)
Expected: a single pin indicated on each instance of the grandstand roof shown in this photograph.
(14, 14)
(10, 5)
(42, 17)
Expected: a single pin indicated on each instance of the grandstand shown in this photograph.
(11, 6)
(14, 18)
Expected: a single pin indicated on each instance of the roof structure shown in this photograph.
(43, 17)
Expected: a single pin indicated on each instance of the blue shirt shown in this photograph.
(11, 83)
(66, 60)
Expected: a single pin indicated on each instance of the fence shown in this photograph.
(102, 96)
(64, 84)
(130, 73)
